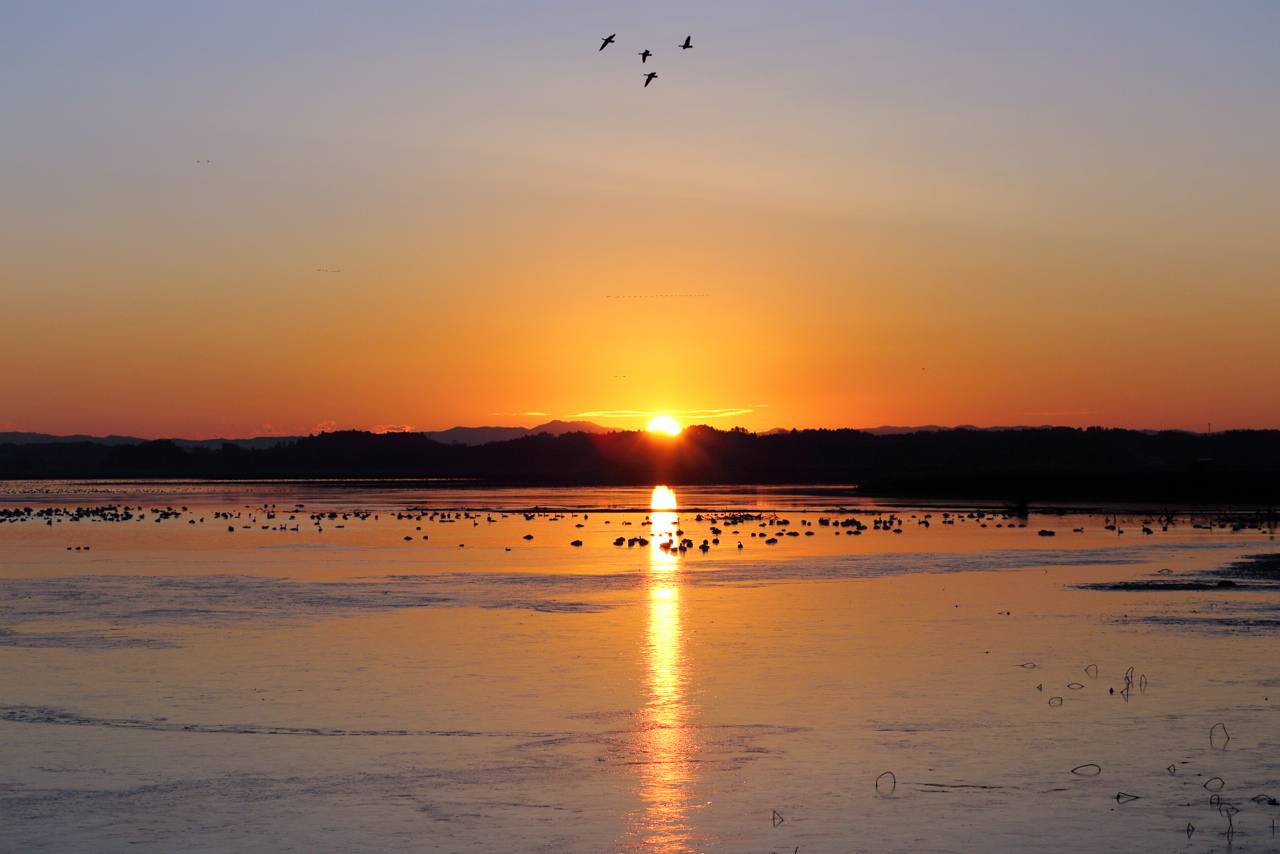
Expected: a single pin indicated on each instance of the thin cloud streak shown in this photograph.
(675, 413)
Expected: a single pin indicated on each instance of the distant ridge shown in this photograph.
(485, 435)
(902, 430)
(452, 436)
(893, 430)
(254, 443)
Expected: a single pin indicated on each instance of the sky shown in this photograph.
(239, 218)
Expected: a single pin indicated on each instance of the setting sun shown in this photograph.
(664, 424)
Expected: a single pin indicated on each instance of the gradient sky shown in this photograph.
(826, 214)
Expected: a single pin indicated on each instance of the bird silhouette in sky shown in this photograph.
(688, 43)
(648, 78)
(645, 54)
(604, 43)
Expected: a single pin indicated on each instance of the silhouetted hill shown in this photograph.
(452, 436)
(1025, 463)
(485, 435)
(892, 430)
(476, 435)
(18, 438)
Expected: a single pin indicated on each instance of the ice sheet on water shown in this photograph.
(78, 639)
(65, 717)
(1228, 599)
(78, 606)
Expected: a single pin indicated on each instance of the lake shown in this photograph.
(385, 666)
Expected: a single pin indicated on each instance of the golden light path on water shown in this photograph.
(664, 741)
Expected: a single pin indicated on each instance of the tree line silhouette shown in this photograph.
(1033, 463)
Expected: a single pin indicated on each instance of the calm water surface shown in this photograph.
(342, 668)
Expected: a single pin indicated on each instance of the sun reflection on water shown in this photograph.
(663, 741)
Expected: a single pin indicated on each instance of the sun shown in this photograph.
(664, 424)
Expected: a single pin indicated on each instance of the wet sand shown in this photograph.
(234, 684)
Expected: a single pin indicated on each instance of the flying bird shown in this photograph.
(604, 43)
(645, 54)
(648, 78)
(688, 43)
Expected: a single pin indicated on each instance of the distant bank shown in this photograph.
(452, 436)
(1015, 464)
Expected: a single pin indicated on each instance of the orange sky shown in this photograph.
(905, 217)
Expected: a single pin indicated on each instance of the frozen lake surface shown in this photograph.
(385, 666)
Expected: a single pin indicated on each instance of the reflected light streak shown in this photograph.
(666, 773)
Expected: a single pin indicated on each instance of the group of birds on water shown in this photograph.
(644, 55)
(772, 527)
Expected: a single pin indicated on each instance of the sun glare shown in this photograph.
(664, 424)
(663, 498)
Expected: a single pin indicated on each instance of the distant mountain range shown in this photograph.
(452, 436)
(19, 438)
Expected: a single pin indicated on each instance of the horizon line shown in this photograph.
(322, 429)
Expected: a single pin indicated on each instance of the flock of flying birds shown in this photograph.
(645, 54)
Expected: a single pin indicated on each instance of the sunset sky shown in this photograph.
(825, 214)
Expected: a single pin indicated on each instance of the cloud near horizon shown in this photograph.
(391, 428)
(674, 413)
